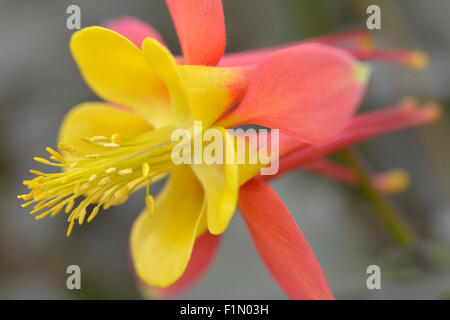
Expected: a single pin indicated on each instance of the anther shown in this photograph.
(97, 139)
(92, 156)
(104, 181)
(110, 170)
(93, 214)
(125, 172)
(66, 147)
(54, 153)
(150, 203)
(69, 205)
(81, 216)
(145, 169)
(116, 138)
(83, 187)
(57, 159)
(37, 172)
(119, 197)
(28, 203)
(42, 160)
(42, 215)
(27, 196)
(69, 230)
(57, 209)
(73, 165)
(111, 145)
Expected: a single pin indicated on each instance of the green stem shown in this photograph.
(385, 211)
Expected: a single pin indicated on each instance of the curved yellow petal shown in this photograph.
(221, 185)
(116, 71)
(164, 65)
(248, 171)
(197, 92)
(161, 245)
(258, 152)
(99, 119)
(213, 90)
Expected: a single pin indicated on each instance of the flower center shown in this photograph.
(104, 179)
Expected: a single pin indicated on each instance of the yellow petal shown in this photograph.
(164, 65)
(248, 169)
(98, 119)
(220, 183)
(257, 154)
(199, 91)
(212, 90)
(161, 245)
(116, 71)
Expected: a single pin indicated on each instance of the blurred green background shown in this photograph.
(39, 83)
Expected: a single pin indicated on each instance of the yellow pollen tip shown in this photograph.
(83, 187)
(25, 196)
(116, 138)
(125, 172)
(93, 177)
(66, 147)
(418, 60)
(42, 215)
(92, 156)
(93, 214)
(56, 210)
(119, 197)
(111, 145)
(53, 152)
(42, 160)
(145, 169)
(69, 206)
(37, 172)
(57, 159)
(81, 216)
(110, 170)
(150, 204)
(104, 181)
(69, 230)
(27, 204)
(97, 139)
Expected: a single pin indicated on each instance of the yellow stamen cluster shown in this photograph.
(104, 179)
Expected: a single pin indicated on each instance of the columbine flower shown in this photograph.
(110, 149)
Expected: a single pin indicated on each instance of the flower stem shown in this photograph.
(388, 215)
